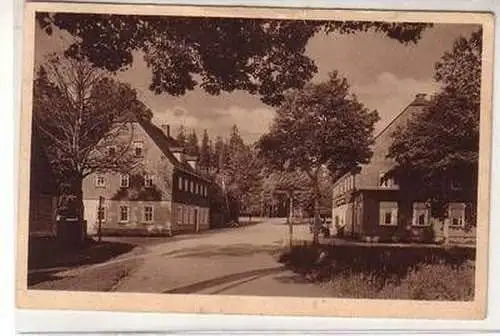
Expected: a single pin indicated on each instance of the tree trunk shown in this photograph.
(317, 197)
(77, 191)
(317, 221)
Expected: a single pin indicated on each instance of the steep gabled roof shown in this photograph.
(417, 105)
(166, 144)
(383, 140)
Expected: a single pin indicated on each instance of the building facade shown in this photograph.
(163, 194)
(369, 205)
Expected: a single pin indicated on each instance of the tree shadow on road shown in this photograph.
(245, 276)
(234, 250)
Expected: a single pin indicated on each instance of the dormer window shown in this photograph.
(100, 181)
(386, 181)
(124, 180)
(148, 181)
(111, 151)
(138, 149)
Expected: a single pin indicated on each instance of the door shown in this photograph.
(196, 221)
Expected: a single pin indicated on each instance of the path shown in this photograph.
(240, 261)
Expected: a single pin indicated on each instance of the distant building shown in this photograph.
(164, 194)
(369, 205)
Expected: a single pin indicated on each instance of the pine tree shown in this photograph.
(181, 135)
(192, 146)
(205, 154)
(219, 149)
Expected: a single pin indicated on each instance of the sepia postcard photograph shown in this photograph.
(255, 160)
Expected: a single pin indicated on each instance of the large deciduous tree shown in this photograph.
(82, 118)
(260, 56)
(440, 147)
(321, 126)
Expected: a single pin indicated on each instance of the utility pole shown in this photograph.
(100, 214)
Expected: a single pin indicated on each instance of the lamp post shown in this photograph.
(290, 219)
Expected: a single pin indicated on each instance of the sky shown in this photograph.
(383, 73)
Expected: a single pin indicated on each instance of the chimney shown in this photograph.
(420, 99)
(421, 96)
(166, 129)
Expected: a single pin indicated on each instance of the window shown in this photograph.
(421, 214)
(197, 189)
(138, 149)
(148, 213)
(99, 181)
(101, 214)
(180, 183)
(456, 214)
(123, 213)
(124, 180)
(148, 181)
(112, 151)
(205, 191)
(186, 187)
(388, 213)
(191, 187)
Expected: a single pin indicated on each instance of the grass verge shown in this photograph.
(371, 272)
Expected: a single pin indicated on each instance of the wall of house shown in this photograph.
(176, 195)
(190, 189)
(190, 218)
(136, 222)
(370, 225)
(152, 162)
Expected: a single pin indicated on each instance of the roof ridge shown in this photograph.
(416, 102)
(161, 140)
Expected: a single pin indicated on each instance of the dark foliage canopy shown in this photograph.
(260, 56)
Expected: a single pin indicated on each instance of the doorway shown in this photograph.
(196, 221)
